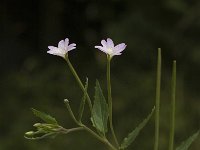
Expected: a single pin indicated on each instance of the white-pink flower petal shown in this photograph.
(66, 42)
(103, 49)
(55, 51)
(61, 44)
(110, 43)
(104, 43)
(71, 46)
(120, 47)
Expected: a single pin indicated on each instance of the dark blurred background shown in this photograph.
(32, 78)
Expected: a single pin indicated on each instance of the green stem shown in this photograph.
(82, 104)
(66, 131)
(102, 139)
(110, 100)
(79, 82)
(71, 112)
(157, 113)
(173, 107)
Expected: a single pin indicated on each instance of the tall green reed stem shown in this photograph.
(157, 113)
(173, 107)
(110, 100)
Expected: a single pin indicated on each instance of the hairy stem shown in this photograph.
(82, 126)
(79, 83)
(110, 101)
(104, 140)
(71, 112)
(66, 131)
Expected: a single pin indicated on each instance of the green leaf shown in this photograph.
(45, 117)
(99, 110)
(131, 136)
(82, 104)
(186, 144)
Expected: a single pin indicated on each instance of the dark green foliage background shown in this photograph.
(32, 78)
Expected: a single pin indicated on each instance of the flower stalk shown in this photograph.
(67, 131)
(79, 82)
(111, 50)
(110, 100)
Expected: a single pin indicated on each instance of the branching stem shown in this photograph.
(82, 126)
(79, 83)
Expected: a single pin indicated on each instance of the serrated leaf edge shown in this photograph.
(185, 145)
(105, 129)
(44, 116)
(132, 135)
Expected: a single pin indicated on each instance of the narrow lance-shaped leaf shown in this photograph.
(45, 117)
(82, 104)
(99, 110)
(131, 136)
(186, 144)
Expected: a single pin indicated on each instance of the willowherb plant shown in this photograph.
(101, 108)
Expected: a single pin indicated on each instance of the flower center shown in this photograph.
(110, 51)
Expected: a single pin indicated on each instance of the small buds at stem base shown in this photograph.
(29, 133)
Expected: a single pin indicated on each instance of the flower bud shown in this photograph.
(29, 133)
(37, 124)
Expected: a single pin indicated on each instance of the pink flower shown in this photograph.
(109, 48)
(63, 48)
